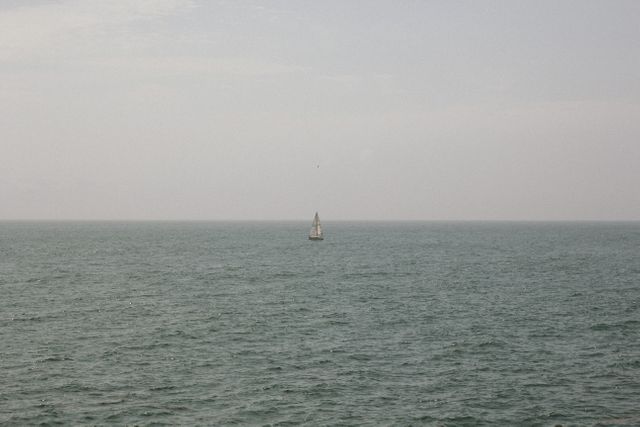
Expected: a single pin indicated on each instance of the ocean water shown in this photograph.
(442, 324)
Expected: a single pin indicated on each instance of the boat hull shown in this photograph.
(316, 238)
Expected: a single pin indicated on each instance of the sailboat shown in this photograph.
(316, 229)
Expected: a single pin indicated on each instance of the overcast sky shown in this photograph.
(179, 109)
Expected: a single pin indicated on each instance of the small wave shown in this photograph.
(425, 418)
(55, 359)
(360, 356)
(337, 322)
(114, 417)
(618, 422)
(368, 275)
(600, 327)
(492, 344)
(462, 421)
(178, 408)
(534, 385)
(157, 345)
(627, 324)
(157, 412)
(283, 275)
(334, 315)
(73, 387)
(110, 402)
(162, 388)
(26, 319)
(626, 363)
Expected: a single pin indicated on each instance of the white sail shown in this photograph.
(316, 229)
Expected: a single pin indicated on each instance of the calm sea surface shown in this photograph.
(446, 324)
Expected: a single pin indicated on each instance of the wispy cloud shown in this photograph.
(121, 37)
(190, 65)
(54, 30)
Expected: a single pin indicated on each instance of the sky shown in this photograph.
(361, 110)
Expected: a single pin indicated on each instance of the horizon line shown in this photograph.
(303, 220)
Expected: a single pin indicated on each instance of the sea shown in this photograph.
(382, 323)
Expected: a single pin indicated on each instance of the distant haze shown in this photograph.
(178, 109)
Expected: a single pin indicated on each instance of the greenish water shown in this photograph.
(379, 324)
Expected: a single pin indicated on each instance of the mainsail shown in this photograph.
(316, 229)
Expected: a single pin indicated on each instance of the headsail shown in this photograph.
(316, 229)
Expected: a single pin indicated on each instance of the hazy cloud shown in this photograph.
(414, 110)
